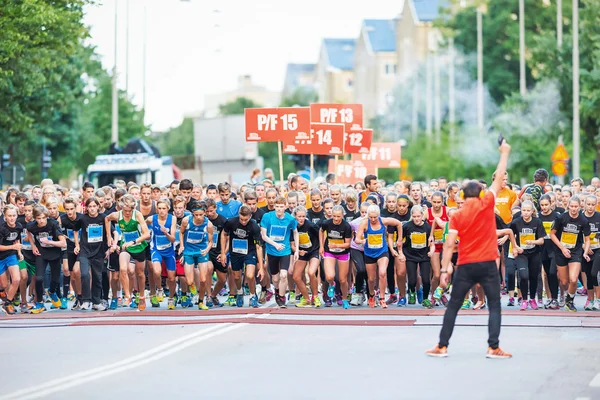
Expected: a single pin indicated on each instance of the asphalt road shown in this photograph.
(261, 361)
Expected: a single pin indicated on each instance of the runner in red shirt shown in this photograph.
(477, 254)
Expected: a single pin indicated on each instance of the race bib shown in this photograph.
(94, 233)
(239, 246)
(215, 239)
(44, 235)
(594, 241)
(277, 233)
(336, 242)
(438, 236)
(71, 235)
(523, 238)
(418, 240)
(304, 239)
(375, 241)
(130, 236)
(24, 242)
(162, 242)
(547, 228)
(568, 239)
(195, 237)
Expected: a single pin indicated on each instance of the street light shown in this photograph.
(522, 82)
(576, 144)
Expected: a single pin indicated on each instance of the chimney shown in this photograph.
(245, 82)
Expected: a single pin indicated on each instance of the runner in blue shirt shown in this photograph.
(276, 227)
(227, 207)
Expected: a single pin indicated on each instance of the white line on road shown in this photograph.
(596, 381)
(146, 357)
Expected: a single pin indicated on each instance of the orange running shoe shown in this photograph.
(382, 303)
(142, 305)
(438, 351)
(497, 353)
(372, 302)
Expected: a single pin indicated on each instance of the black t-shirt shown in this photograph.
(8, 237)
(308, 235)
(393, 230)
(594, 222)
(266, 209)
(26, 250)
(218, 224)
(69, 227)
(111, 210)
(316, 217)
(571, 231)
(257, 215)
(351, 215)
(524, 231)
(336, 234)
(177, 233)
(242, 239)
(50, 231)
(560, 210)
(415, 247)
(93, 237)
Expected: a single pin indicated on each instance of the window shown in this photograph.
(390, 69)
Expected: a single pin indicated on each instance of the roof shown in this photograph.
(340, 53)
(381, 34)
(427, 10)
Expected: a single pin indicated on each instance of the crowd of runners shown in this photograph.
(130, 245)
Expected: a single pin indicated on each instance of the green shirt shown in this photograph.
(131, 231)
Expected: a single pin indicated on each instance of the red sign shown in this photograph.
(275, 124)
(351, 115)
(381, 155)
(349, 172)
(324, 139)
(358, 142)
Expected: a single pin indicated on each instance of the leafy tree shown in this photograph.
(237, 106)
(179, 140)
(301, 97)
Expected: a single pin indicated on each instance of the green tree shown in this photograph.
(178, 141)
(302, 97)
(237, 106)
(42, 60)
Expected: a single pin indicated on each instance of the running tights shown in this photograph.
(550, 268)
(358, 258)
(40, 269)
(529, 269)
(411, 272)
(589, 268)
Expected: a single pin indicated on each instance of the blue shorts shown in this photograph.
(8, 262)
(168, 259)
(195, 259)
(239, 261)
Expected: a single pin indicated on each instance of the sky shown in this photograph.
(197, 47)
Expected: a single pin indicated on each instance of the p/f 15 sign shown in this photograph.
(276, 124)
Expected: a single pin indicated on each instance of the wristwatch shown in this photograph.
(444, 271)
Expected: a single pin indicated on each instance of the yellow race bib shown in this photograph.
(336, 242)
(568, 239)
(375, 241)
(547, 228)
(438, 235)
(594, 241)
(418, 240)
(305, 242)
(524, 237)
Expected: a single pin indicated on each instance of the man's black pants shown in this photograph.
(465, 276)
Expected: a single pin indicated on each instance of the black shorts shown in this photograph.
(454, 258)
(239, 262)
(562, 261)
(277, 263)
(309, 256)
(148, 253)
(371, 260)
(71, 258)
(139, 257)
(216, 264)
(113, 262)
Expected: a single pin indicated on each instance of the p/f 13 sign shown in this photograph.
(351, 115)
(324, 139)
(275, 124)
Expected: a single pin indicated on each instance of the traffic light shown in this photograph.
(5, 160)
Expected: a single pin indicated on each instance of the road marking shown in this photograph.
(596, 381)
(582, 398)
(161, 351)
